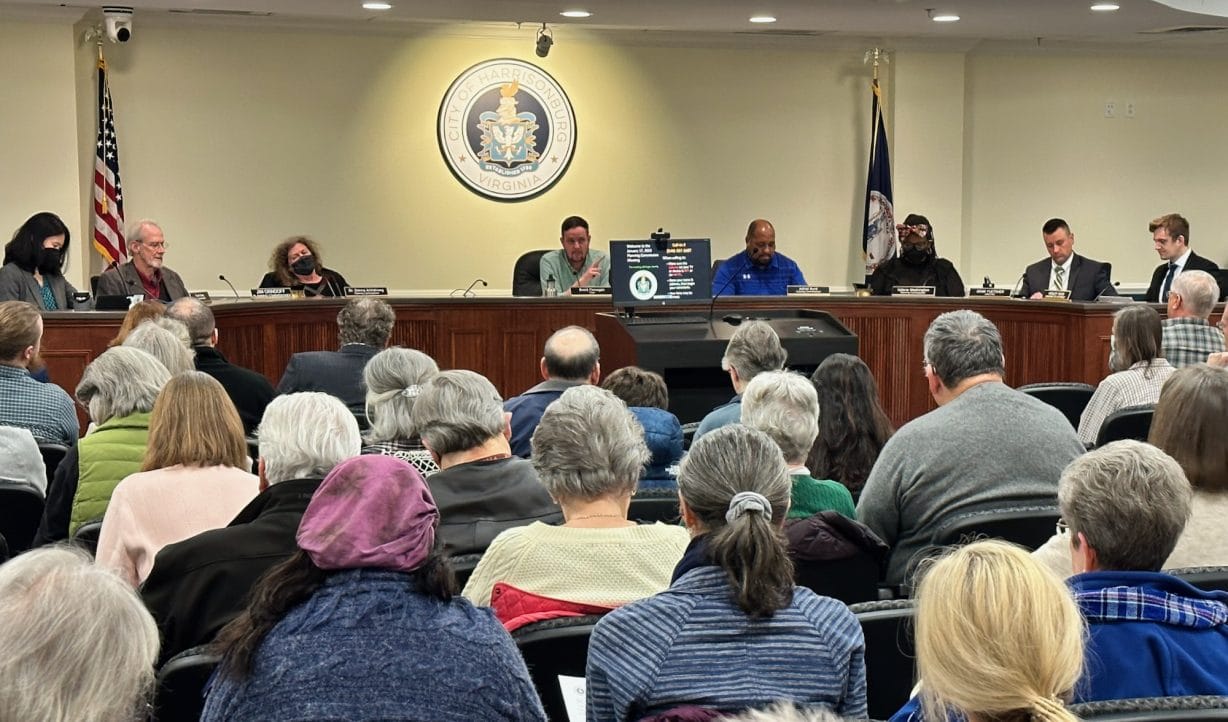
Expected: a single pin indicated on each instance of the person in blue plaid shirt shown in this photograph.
(43, 408)
(1188, 336)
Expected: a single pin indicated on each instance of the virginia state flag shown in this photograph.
(878, 241)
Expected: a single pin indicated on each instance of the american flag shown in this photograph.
(108, 195)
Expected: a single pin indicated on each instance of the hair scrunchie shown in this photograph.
(412, 391)
(745, 501)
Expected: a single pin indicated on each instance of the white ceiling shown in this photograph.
(1054, 22)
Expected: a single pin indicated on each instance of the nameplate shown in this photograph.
(913, 291)
(793, 290)
(282, 291)
(80, 297)
(202, 296)
(366, 290)
(990, 292)
(591, 291)
(1055, 295)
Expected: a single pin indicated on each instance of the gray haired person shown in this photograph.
(588, 451)
(394, 379)
(481, 488)
(571, 358)
(785, 406)
(1189, 337)
(986, 446)
(166, 340)
(753, 348)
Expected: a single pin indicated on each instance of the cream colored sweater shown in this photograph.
(1202, 544)
(594, 566)
(151, 509)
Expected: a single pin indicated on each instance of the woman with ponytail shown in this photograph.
(998, 638)
(731, 632)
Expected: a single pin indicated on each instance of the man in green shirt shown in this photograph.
(575, 264)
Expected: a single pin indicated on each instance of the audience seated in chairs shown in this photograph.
(76, 643)
(753, 348)
(1188, 426)
(852, 424)
(998, 638)
(193, 477)
(588, 451)
(119, 388)
(361, 623)
(647, 397)
(201, 583)
(1139, 372)
(784, 405)
(20, 459)
(732, 632)
(571, 357)
(166, 340)
(481, 489)
(136, 315)
(394, 378)
(1189, 336)
(43, 408)
(836, 557)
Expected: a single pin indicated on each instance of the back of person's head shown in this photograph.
(458, 410)
(365, 320)
(196, 316)
(305, 435)
(1174, 223)
(1137, 334)
(136, 315)
(1189, 424)
(571, 354)
(784, 712)
(20, 328)
(370, 512)
(120, 382)
(194, 423)
(998, 636)
(26, 248)
(77, 642)
(637, 387)
(753, 348)
(735, 485)
(23, 462)
(785, 406)
(588, 445)
(1198, 291)
(962, 344)
(166, 340)
(853, 428)
(394, 378)
(1130, 501)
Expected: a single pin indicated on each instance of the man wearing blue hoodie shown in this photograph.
(1150, 634)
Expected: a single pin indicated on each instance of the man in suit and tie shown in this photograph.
(1065, 270)
(1171, 234)
(144, 274)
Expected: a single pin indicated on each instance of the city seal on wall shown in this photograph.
(507, 130)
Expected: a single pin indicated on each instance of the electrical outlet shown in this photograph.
(1110, 109)
(1130, 109)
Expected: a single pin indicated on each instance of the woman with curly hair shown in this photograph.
(296, 263)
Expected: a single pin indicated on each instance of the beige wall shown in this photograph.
(234, 139)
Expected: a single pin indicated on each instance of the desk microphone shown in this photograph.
(468, 292)
(1018, 285)
(1114, 287)
(745, 264)
(222, 277)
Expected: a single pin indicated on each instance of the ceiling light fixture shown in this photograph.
(545, 39)
(576, 14)
(1105, 7)
(377, 6)
(762, 19)
(941, 17)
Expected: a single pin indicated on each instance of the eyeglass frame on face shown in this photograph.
(155, 246)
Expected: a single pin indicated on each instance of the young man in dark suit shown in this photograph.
(1065, 270)
(1171, 234)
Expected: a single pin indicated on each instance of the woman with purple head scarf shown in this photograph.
(362, 622)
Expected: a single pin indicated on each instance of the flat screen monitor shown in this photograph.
(661, 273)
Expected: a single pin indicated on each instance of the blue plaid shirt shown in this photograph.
(1188, 341)
(45, 409)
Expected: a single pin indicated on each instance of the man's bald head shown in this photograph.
(761, 241)
(571, 355)
(197, 317)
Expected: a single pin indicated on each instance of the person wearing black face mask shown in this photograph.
(917, 263)
(33, 265)
(296, 264)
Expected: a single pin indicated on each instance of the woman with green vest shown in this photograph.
(119, 389)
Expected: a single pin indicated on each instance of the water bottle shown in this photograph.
(552, 288)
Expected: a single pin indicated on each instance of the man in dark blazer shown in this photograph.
(144, 274)
(1066, 270)
(1171, 234)
(364, 326)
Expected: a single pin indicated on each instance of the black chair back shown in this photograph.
(552, 648)
(463, 566)
(21, 510)
(53, 454)
(1069, 398)
(1154, 709)
(851, 580)
(890, 654)
(1029, 526)
(86, 535)
(253, 451)
(181, 685)
(526, 274)
(1132, 423)
(654, 505)
(1211, 579)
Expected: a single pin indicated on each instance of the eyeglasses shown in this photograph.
(1062, 527)
(926, 367)
(156, 246)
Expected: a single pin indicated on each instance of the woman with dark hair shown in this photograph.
(852, 424)
(362, 623)
(296, 263)
(1139, 372)
(732, 631)
(917, 263)
(34, 264)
